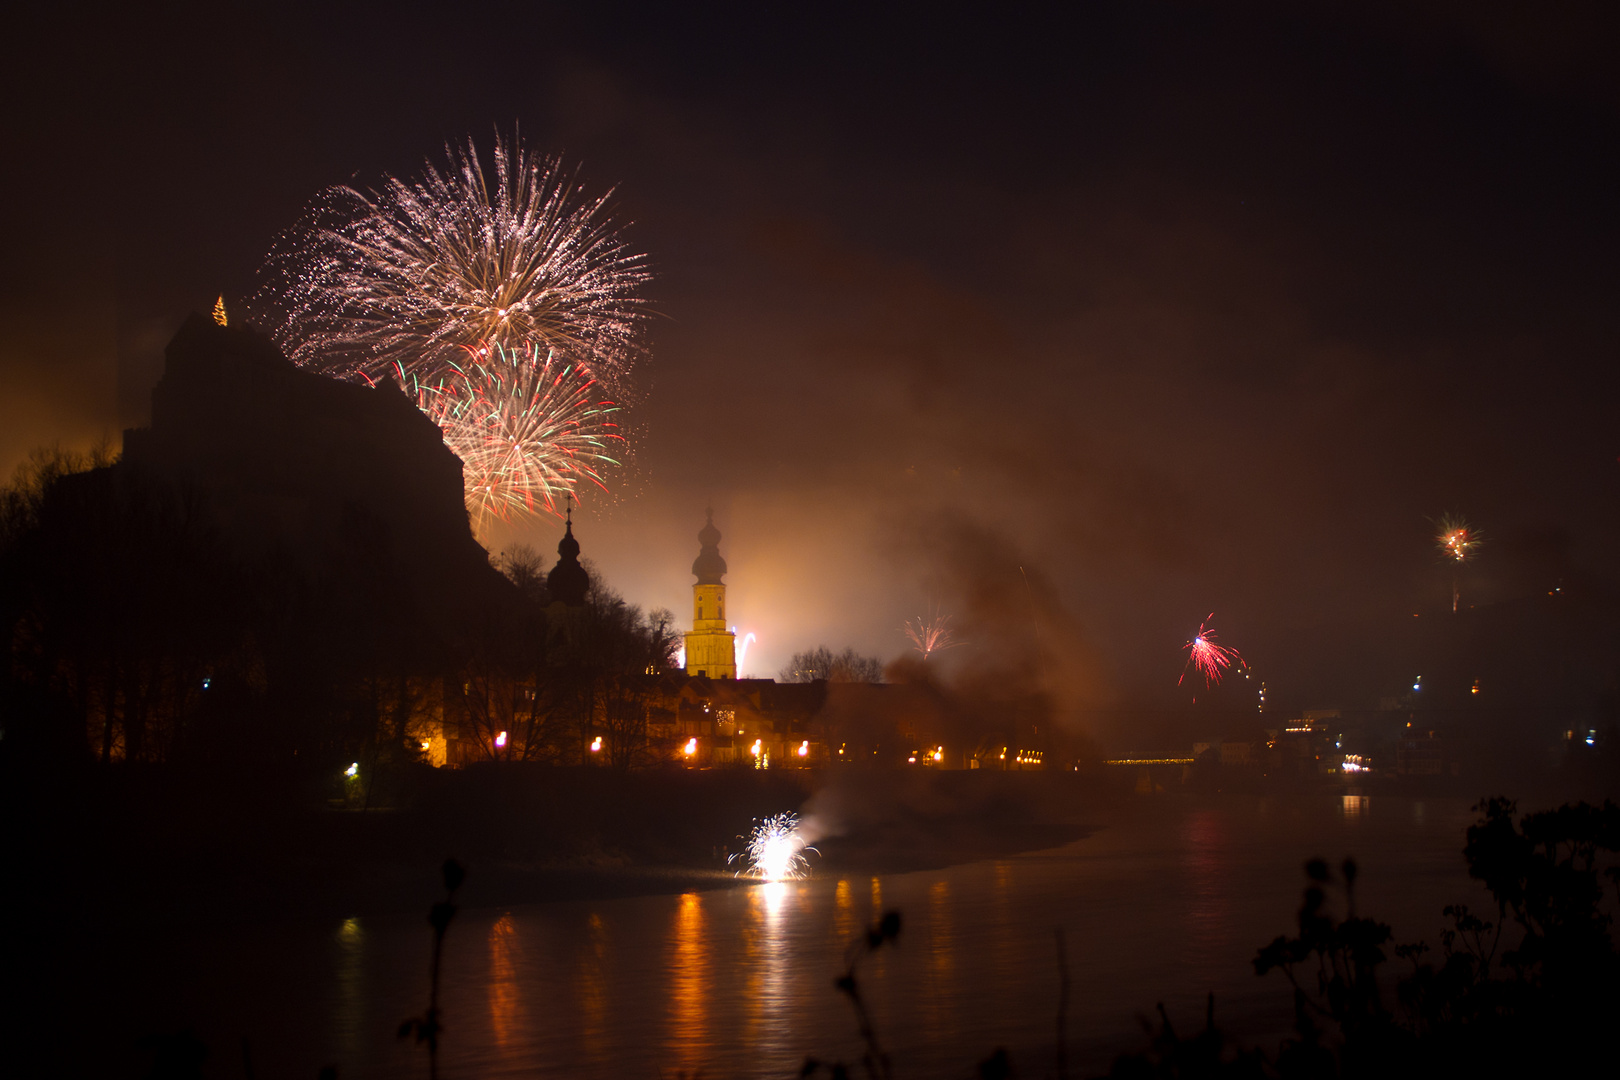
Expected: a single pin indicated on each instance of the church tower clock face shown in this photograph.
(711, 649)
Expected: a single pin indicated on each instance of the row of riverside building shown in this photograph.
(704, 716)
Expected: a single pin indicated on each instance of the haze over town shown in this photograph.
(516, 462)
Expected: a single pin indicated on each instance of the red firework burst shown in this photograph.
(1207, 657)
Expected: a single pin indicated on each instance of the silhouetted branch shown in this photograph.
(426, 1028)
(874, 1058)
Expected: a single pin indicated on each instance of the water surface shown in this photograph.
(1165, 900)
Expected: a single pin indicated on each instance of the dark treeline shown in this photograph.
(140, 630)
(824, 664)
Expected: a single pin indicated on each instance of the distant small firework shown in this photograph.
(775, 850)
(930, 635)
(527, 427)
(402, 277)
(1458, 543)
(1207, 657)
(1457, 539)
(743, 641)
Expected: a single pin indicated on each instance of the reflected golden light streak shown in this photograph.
(690, 984)
(775, 892)
(939, 914)
(503, 986)
(941, 960)
(770, 1023)
(590, 985)
(1205, 858)
(351, 999)
(844, 910)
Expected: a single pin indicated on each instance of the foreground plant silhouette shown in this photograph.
(873, 1058)
(1546, 1007)
(426, 1027)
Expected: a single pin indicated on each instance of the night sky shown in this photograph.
(1179, 307)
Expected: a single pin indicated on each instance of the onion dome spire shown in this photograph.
(568, 582)
(709, 566)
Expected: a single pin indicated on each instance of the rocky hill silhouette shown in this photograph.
(289, 461)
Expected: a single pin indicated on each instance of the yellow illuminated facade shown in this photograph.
(711, 649)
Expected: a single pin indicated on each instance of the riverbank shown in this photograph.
(146, 850)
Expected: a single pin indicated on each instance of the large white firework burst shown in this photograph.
(529, 428)
(405, 277)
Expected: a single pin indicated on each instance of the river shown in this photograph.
(1165, 899)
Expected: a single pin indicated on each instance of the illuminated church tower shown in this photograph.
(711, 649)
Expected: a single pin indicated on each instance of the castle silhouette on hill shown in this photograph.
(288, 459)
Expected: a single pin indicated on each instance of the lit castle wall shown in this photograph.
(711, 649)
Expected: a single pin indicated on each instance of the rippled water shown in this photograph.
(1163, 901)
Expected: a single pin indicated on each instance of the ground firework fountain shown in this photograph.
(775, 850)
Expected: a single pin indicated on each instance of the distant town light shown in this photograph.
(691, 746)
(427, 745)
(596, 745)
(500, 741)
(352, 771)
(804, 748)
